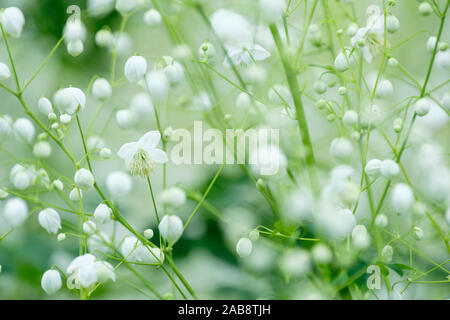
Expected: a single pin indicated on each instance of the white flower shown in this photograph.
(102, 213)
(75, 194)
(141, 105)
(135, 68)
(402, 197)
(3, 194)
(207, 50)
(173, 197)
(61, 237)
(174, 72)
(98, 8)
(244, 247)
(202, 102)
(148, 233)
(74, 30)
(152, 18)
(84, 179)
(231, 27)
(15, 211)
(417, 233)
(101, 89)
(133, 250)
(244, 56)
(360, 237)
(5, 125)
(322, 254)
(295, 262)
(104, 38)
(272, 10)
(51, 281)
(119, 183)
(12, 21)
(422, 106)
(431, 43)
(336, 225)
(298, 206)
(50, 220)
(84, 271)
(384, 89)
(268, 160)
(22, 177)
(24, 129)
(4, 72)
(157, 85)
(89, 227)
(65, 118)
(443, 59)
(387, 253)
(75, 48)
(45, 106)
(392, 24)
(142, 156)
(125, 118)
(243, 101)
(373, 167)
(350, 118)
(341, 148)
(340, 63)
(389, 168)
(381, 220)
(126, 6)
(42, 149)
(171, 228)
(69, 99)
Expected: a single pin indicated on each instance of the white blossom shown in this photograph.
(50, 220)
(15, 212)
(51, 281)
(171, 228)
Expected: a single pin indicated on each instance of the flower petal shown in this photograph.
(128, 150)
(149, 140)
(157, 155)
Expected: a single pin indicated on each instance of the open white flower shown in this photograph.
(246, 55)
(142, 156)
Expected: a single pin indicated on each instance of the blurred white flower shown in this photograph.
(152, 17)
(15, 212)
(4, 72)
(69, 99)
(24, 130)
(50, 220)
(102, 213)
(244, 247)
(157, 85)
(119, 183)
(101, 89)
(13, 20)
(84, 179)
(135, 68)
(402, 197)
(173, 197)
(84, 271)
(45, 106)
(133, 250)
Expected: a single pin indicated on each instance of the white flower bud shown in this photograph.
(425, 8)
(350, 118)
(42, 149)
(50, 220)
(207, 50)
(148, 233)
(142, 105)
(322, 254)
(402, 197)
(244, 247)
(51, 281)
(24, 129)
(102, 213)
(12, 21)
(417, 233)
(443, 59)
(75, 195)
(384, 89)
(320, 86)
(157, 85)
(387, 253)
(173, 197)
(61, 237)
(65, 118)
(105, 153)
(125, 118)
(341, 148)
(431, 43)
(392, 24)
(52, 116)
(360, 237)
(104, 38)
(152, 18)
(381, 220)
(45, 106)
(101, 89)
(295, 262)
(119, 183)
(83, 179)
(75, 48)
(253, 235)
(174, 72)
(272, 10)
(373, 168)
(340, 63)
(243, 101)
(89, 227)
(352, 29)
(4, 72)
(171, 228)
(126, 6)
(74, 30)
(69, 99)
(389, 168)
(15, 212)
(393, 62)
(134, 250)
(135, 68)
(422, 107)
